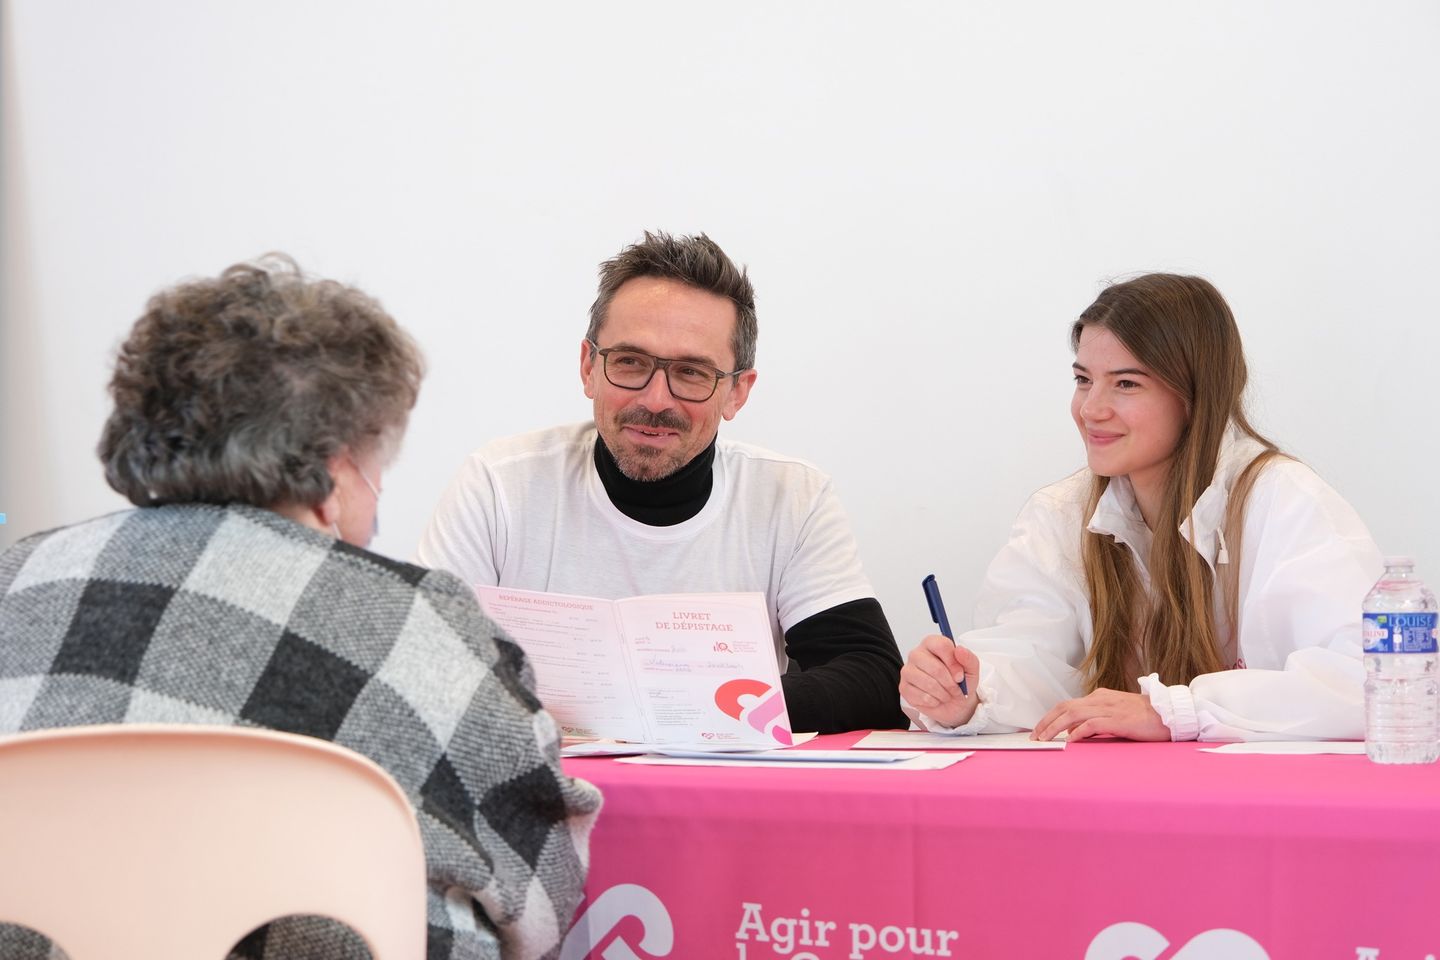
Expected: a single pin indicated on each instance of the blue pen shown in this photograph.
(937, 613)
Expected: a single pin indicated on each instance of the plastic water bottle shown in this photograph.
(1402, 668)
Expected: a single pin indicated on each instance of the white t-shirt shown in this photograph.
(1307, 564)
(530, 511)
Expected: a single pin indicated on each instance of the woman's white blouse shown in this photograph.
(1307, 563)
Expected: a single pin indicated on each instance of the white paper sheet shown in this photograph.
(796, 756)
(924, 740)
(1292, 747)
(926, 761)
(603, 748)
(620, 748)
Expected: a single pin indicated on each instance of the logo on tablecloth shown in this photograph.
(598, 921)
(1123, 941)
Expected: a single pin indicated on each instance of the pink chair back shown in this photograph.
(149, 842)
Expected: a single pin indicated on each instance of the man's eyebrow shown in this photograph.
(688, 358)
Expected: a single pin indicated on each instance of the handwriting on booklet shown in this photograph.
(695, 668)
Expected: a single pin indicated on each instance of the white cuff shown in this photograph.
(978, 721)
(1174, 704)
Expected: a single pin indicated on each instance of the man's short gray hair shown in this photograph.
(697, 261)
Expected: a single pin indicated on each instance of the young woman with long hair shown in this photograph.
(1193, 582)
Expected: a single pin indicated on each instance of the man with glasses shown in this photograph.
(646, 499)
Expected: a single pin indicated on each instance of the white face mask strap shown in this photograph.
(373, 489)
(335, 528)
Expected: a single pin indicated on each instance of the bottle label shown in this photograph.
(1400, 633)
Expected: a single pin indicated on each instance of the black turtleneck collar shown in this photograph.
(659, 503)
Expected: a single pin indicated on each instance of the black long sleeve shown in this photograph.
(844, 671)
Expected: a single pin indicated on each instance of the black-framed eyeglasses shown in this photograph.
(687, 379)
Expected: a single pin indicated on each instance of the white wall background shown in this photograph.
(926, 193)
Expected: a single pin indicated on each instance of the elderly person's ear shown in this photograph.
(325, 515)
(352, 509)
(349, 510)
(328, 511)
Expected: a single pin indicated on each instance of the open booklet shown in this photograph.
(694, 669)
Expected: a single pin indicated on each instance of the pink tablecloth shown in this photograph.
(1103, 851)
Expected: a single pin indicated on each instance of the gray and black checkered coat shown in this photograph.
(235, 615)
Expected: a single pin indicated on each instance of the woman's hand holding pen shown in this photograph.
(930, 680)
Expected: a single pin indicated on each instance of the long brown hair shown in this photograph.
(1182, 330)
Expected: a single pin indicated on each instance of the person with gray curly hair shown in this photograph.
(262, 387)
(255, 414)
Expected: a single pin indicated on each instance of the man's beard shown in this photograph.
(647, 463)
